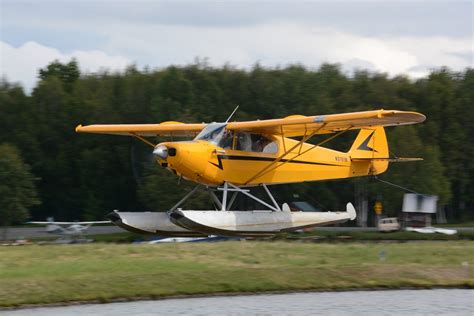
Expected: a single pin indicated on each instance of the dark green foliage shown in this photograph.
(87, 176)
(67, 73)
(17, 189)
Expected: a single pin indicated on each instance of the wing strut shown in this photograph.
(268, 167)
(143, 139)
(304, 139)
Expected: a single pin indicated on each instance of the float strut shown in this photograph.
(187, 196)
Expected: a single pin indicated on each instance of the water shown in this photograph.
(400, 302)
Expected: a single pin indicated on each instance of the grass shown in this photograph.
(104, 272)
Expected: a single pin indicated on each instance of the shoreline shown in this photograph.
(230, 294)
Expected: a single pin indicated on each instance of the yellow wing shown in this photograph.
(299, 125)
(163, 129)
(292, 126)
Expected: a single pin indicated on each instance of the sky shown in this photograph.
(394, 37)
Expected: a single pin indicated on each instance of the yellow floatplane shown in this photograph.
(230, 157)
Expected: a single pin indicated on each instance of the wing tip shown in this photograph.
(411, 116)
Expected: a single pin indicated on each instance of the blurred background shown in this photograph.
(65, 64)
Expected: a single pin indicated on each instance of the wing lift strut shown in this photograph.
(277, 163)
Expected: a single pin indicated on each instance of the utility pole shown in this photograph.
(362, 205)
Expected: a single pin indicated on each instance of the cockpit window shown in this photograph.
(255, 143)
(226, 140)
(212, 132)
(217, 134)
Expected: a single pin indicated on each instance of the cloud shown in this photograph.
(280, 43)
(396, 37)
(373, 17)
(271, 44)
(22, 63)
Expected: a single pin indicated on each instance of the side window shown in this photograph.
(255, 143)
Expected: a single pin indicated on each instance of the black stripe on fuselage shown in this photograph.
(255, 158)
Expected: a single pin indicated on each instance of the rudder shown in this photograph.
(369, 146)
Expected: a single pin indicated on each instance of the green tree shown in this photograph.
(67, 73)
(17, 190)
(86, 176)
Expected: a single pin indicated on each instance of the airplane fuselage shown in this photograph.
(203, 162)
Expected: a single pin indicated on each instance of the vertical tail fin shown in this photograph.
(369, 146)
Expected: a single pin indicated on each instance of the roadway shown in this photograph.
(38, 232)
(374, 229)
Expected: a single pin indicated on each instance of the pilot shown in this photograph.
(226, 141)
(244, 142)
(270, 148)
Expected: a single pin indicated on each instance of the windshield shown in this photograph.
(212, 132)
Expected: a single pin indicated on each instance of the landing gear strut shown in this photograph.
(225, 204)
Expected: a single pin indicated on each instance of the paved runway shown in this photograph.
(374, 229)
(35, 232)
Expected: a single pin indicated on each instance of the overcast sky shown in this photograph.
(396, 37)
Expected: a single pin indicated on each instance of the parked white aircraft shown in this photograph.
(72, 229)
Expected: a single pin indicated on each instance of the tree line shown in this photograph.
(81, 176)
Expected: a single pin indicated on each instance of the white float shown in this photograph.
(256, 223)
(187, 223)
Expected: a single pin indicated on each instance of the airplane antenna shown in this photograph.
(235, 110)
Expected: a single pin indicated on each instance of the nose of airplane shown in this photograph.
(161, 152)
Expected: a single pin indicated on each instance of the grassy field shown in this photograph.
(104, 272)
